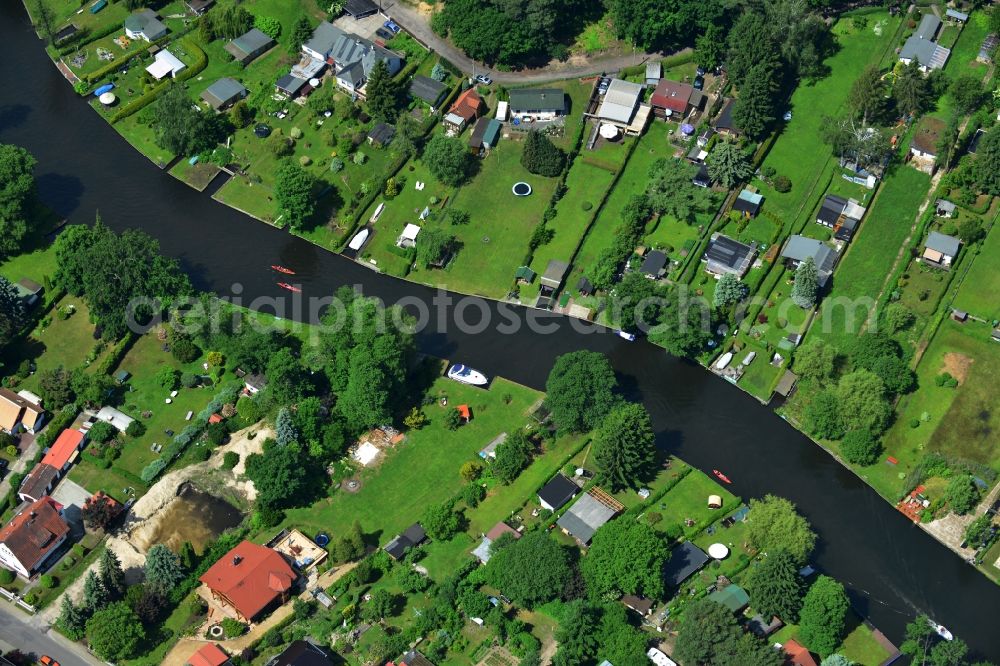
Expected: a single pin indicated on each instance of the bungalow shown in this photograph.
(409, 236)
(685, 559)
(119, 420)
(352, 57)
(921, 47)
(524, 275)
(482, 551)
(537, 103)
(144, 25)
(705, 137)
(800, 248)
(988, 48)
(255, 383)
(465, 109)
(414, 658)
(944, 208)
(64, 450)
(359, 9)
(955, 16)
(940, 250)
(301, 653)
(654, 265)
(198, 7)
(841, 215)
(251, 579)
(38, 483)
(427, 90)
(675, 100)
(29, 291)
(555, 273)
(641, 605)
(20, 411)
(724, 122)
(164, 63)
(588, 514)
(924, 146)
(289, 86)
(621, 107)
(381, 135)
(797, 654)
(703, 178)
(249, 46)
(974, 142)
(748, 203)
(29, 540)
(209, 654)
(223, 93)
(412, 536)
(732, 597)
(654, 72)
(726, 255)
(556, 493)
(762, 628)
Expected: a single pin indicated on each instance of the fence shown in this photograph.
(15, 599)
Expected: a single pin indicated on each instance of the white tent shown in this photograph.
(718, 551)
(410, 232)
(165, 63)
(118, 419)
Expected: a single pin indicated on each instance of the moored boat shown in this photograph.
(282, 269)
(466, 375)
(721, 476)
(289, 287)
(359, 240)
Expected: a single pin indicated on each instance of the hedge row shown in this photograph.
(117, 353)
(63, 419)
(100, 72)
(148, 98)
(74, 44)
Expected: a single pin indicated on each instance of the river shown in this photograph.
(891, 568)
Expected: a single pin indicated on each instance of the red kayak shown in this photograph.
(282, 269)
(722, 477)
(285, 285)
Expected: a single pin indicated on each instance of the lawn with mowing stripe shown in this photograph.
(423, 469)
(963, 55)
(688, 500)
(870, 256)
(978, 294)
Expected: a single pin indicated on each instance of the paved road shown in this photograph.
(18, 631)
(417, 24)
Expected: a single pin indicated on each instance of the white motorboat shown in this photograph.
(359, 240)
(466, 375)
(724, 361)
(941, 630)
(628, 336)
(377, 214)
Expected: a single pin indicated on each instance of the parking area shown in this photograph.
(365, 27)
(72, 496)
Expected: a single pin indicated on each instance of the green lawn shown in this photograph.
(688, 500)
(38, 263)
(870, 256)
(963, 54)
(64, 12)
(859, 644)
(978, 294)
(143, 138)
(423, 469)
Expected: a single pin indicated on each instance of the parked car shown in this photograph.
(46, 660)
(391, 26)
(699, 82)
(700, 71)
(484, 79)
(382, 33)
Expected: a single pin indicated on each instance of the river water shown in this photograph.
(891, 568)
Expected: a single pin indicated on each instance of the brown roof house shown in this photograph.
(924, 147)
(465, 109)
(30, 539)
(251, 579)
(20, 412)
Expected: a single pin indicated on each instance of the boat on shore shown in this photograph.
(466, 375)
(359, 240)
(722, 477)
(282, 269)
(289, 287)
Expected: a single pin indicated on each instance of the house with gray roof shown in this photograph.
(940, 250)
(289, 85)
(622, 107)
(538, 103)
(987, 49)
(224, 93)
(427, 90)
(249, 46)
(726, 255)
(588, 514)
(144, 25)
(800, 248)
(921, 47)
(351, 56)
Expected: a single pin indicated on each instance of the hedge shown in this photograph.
(117, 353)
(62, 420)
(75, 43)
(147, 98)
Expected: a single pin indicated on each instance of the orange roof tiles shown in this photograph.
(62, 450)
(250, 577)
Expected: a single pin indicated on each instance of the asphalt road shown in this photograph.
(17, 632)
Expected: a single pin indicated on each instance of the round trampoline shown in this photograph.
(718, 551)
(107, 99)
(521, 189)
(322, 539)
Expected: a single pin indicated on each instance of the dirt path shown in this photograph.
(416, 20)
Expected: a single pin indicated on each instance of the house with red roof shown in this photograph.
(209, 654)
(796, 654)
(465, 109)
(672, 99)
(64, 450)
(29, 540)
(251, 579)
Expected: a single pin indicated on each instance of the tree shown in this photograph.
(434, 246)
(287, 380)
(686, 325)
(448, 160)
(618, 639)
(860, 447)
(531, 570)
(967, 93)
(624, 446)
(971, 231)
(837, 660)
(625, 557)
(351, 546)
(754, 108)
(918, 637)
(580, 390)
(576, 635)
(541, 157)
(381, 605)
(867, 97)
(774, 524)
(806, 285)
(99, 511)
(278, 476)
(863, 403)
(816, 360)
(284, 428)
(775, 587)
(912, 90)
(17, 194)
(821, 621)
(671, 192)
(512, 456)
(55, 387)
(962, 494)
(382, 93)
(72, 621)
(895, 374)
(167, 377)
(441, 521)
(897, 317)
(94, 594)
(949, 653)
(11, 312)
(851, 140)
(114, 632)
(728, 164)
(708, 631)
(301, 33)
(293, 188)
(182, 129)
(987, 164)
(470, 470)
(42, 16)
(710, 47)
(162, 568)
(729, 290)
(751, 42)
(112, 575)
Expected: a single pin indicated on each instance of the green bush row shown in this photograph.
(74, 44)
(63, 419)
(117, 353)
(147, 98)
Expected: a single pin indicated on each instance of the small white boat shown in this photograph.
(941, 630)
(724, 361)
(377, 213)
(359, 240)
(628, 336)
(748, 359)
(466, 375)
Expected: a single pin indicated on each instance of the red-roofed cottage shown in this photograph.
(465, 109)
(32, 536)
(209, 654)
(63, 451)
(797, 654)
(674, 99)
(251, 579)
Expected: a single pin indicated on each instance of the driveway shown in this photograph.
(365, 27)
(18, 632)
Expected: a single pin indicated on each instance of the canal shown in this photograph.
(891, 568)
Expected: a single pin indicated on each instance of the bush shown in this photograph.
(336, 165)
(860, 447)
(6, 576)
(295, 133)
(102, 432)
(47, 581)
(359, 158)
(135, 429)
(782, 184)
(230, 460)
(586, 205)
(232, 628)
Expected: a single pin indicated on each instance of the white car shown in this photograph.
(659, 658)
(485, 80)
